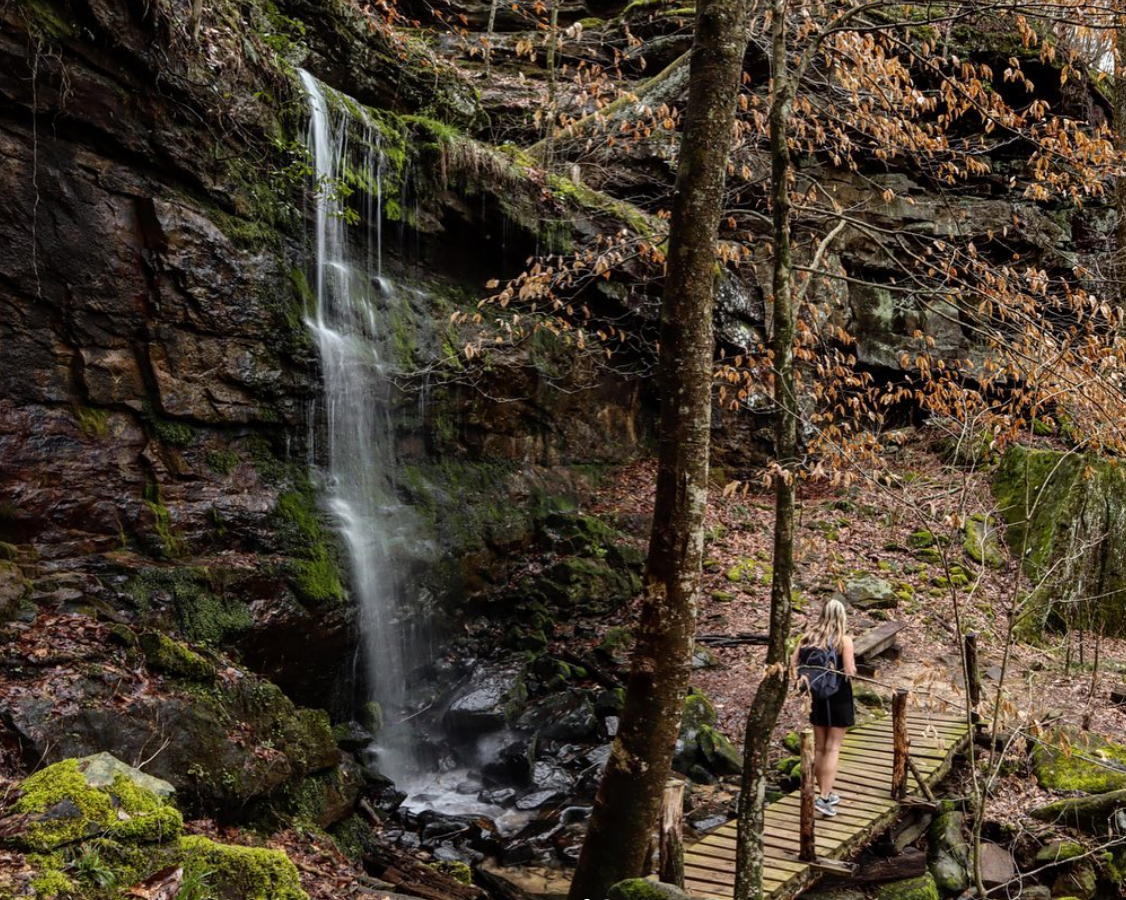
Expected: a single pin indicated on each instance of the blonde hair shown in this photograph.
(830, 629)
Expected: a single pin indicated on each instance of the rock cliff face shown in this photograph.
(1066, 513)
(159, 417)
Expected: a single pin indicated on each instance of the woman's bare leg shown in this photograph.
(831, 760)
(820, 741)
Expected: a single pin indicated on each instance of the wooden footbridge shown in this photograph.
(882, 763)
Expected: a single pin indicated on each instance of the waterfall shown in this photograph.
(349, 324)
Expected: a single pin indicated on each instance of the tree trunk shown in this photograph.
(771, 692)
(629, 797)
(1120, 145)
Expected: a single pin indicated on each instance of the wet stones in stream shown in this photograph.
(527, 748)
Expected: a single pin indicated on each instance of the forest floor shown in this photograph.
(867, 529)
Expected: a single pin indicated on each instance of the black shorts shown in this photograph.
(837, 711)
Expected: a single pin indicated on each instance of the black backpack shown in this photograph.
(819, 671)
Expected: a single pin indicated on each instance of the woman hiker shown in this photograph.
(825, 665)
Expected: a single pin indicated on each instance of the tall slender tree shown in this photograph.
(771, 691)
(628, 801)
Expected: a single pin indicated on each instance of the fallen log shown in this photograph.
(410, 876)
(911, 863)
(733, 640)
(1095, 814)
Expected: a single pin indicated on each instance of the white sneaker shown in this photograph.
(824, 807)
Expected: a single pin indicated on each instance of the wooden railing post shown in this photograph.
(973, 675)
(807, 849)
(671, 838)
(900, 745)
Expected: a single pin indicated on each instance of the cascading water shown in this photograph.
(354, 303)
(351, 299)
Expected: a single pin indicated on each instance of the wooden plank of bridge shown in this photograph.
(867, 809)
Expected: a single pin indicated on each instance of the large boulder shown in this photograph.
(997, 865)
(949, 861)
(493, 697)
(1066, 515)
(921, 888)
(59, 806)
(870, 592)
(132, 838)
(702, 751)
(644, 889)
(223, 737)
(1066, 761)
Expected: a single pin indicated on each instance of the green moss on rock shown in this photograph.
(750, 570)
(1066, 517)
(698, 711)
(921, 539)
(719, 753)
(63, 809)
(315, 567)
(249, 873)
(1090, 814)
(50, 883)
(1079, 881)
(457, 870)
(981, 543)
(171, 657)
(1059, 851)
(199, 613)
(1064, 762)
(921, 888)
(644, 889)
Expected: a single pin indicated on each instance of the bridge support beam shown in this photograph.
(807, 850)
(900, 744)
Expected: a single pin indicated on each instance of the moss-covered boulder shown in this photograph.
(1058, 852)
(227, 738)
(94, 828)
(700, 747)
(949, 859)
(173, 658)
(1080, 881)
(1087, 763)
(719, 754)
(58, 807)
(644, 889)
(321, 799)
(981, 542)
(1066, 516)
(921, 888)
(242, 873)
(867, 592)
